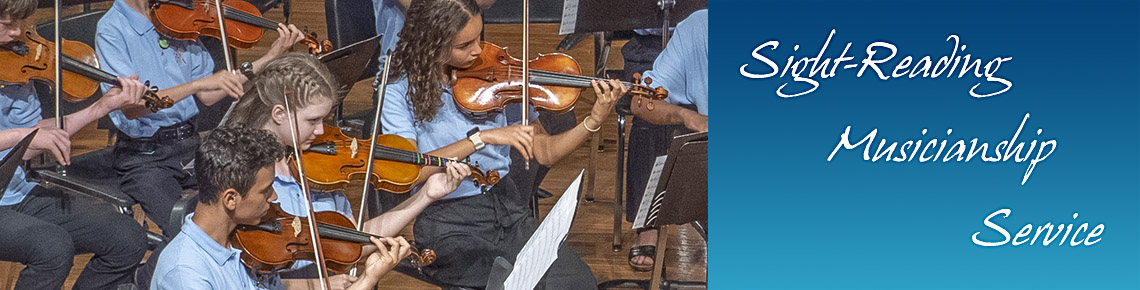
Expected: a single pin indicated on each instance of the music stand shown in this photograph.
(12, 161)
(681, 197)
(351, 64)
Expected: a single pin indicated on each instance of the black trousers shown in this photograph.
(154, 174)
(468, 233)
(47, 229)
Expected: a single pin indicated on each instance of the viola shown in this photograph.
(335, 157)
(30, 56)
(281, 239)
(556, 81)
(189, 19)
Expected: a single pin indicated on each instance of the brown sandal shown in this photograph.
(647, 251)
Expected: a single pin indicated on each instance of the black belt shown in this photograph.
(164, 135)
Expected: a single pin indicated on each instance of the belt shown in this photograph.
(164, 135)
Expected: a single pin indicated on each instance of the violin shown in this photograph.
(495, 79)
(192, 18)
(334, 157)
(188, 19)
(34, 57)
(281, 239)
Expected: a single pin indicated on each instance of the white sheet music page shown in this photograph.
(650, 187)
(569, 17)
(542, 248)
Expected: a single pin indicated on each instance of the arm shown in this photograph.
(549, 149)
(52, 140)
(114, 58)
(438, 185)
(667, 114)
(673, 70)
(129, 95)
(287, 36)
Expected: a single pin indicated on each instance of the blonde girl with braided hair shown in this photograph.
(311, 93)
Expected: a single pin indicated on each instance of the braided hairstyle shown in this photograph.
(300, 73)
(425, 44)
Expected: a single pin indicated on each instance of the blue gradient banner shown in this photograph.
(794, 208)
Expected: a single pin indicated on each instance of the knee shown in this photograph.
(124, 241)
(50, 249)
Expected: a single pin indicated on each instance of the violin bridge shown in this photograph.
(296, 226)
(354, 146)
(39, 51)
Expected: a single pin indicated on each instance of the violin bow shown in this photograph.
(58, 78)
(379, 86)
(314, 235)
(218, 8)
(526, 71)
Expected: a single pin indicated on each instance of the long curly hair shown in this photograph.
(303, 74)
(424, 47)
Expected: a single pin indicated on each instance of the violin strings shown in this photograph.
(244, 17)
(395, 154)
(583, 80)
(361, 237)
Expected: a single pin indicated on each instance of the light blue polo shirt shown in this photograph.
(127, 44)
(677, 70)
(193, 260)
(292, 200)
(449, 126)
(19, 108)
(389, 22)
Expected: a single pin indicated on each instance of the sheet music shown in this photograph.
(650, 187)
(569, 17)
(542, 248)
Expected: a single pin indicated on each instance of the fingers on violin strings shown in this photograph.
(619, 86)
(405, 248)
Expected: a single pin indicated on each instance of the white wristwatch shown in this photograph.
(473, 135)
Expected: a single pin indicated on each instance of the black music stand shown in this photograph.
(12, 161)
(681, 197)
(351, 64)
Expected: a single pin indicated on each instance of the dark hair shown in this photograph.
(17, 10)
(299, 72)
(230, 158)
(425, 42)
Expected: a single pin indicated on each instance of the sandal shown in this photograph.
(646, 251)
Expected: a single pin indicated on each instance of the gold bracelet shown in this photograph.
(588, 127)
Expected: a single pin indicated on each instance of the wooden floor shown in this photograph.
(592, 232)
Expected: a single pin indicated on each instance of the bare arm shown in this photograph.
(549, 149)
(438, 185)
(129, 95)
(664, 113)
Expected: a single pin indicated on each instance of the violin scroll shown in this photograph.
(155, 102)
(316, 47)
(481, 179)
(643, 90)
